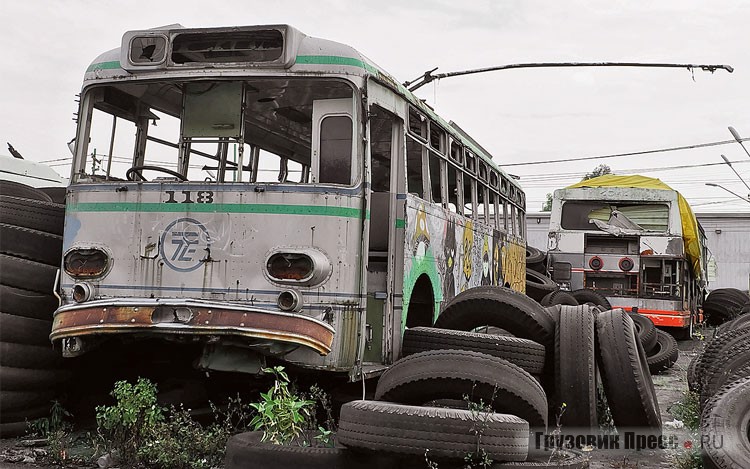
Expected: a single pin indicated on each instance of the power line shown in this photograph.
(635, 153)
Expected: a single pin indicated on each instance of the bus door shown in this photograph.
(385, 147)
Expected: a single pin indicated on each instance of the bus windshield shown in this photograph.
(274, 130)
(592, 215)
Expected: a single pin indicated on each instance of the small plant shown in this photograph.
(480, 414)
(45, 426)
(130, 424)
(688, 410)
(281, 413)
(688, 457)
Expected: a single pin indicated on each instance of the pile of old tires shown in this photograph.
(720, 375)
(660, 346)
(543, 367)
(31, 227)
(725, 304)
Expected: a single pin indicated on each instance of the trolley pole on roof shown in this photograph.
(730, 191)
(428, 76)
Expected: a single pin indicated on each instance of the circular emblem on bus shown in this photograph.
(184, 244)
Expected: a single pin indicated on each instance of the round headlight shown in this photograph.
(596, 263)
(626, 264)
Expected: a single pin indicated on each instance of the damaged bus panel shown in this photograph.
(634, 240)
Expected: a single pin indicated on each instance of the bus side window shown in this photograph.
(491, 209)
(512, 227)
(414, 173)
(435, 178)
(470, 195)
(503, 214)
(453, 202)
(336, 150)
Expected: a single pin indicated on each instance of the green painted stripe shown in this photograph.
(103, 66)
(334, 60)
(400, 223)
(275, 209)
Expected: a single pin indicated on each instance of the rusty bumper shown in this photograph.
(156, 318)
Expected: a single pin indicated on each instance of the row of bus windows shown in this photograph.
(440, 181)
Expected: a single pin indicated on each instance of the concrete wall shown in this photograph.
(727, 235)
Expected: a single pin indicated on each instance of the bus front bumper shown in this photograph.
(74, 324)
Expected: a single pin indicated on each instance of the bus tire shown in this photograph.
(646, 331)
(585, 295)
(453, 374)
(525, 353)
(26, 274)
(32, 214)
(624, 372)
(13, 429)
(715, 352)
(575, 367)
(27, 303)
(11, 401)
(558, 297)
(30, 379)
(16, 189)
(442, 433)
(724, 421)
(734, 359)
(31, 244)
(692, 378)
(539, 285)
(562, 459)
(500, 307)
(29, 356)
(738, 322)
(246, 450)
(534, 255)
(57, 194)
(21, 330)
(664, 355)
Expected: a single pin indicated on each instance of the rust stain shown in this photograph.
(203, 321)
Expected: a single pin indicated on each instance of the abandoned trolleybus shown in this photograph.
(260, 193)
(634, 240)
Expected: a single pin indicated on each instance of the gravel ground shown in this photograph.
(670, 388)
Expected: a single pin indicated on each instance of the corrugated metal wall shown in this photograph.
(728, 236)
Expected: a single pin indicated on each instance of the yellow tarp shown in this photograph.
(689, 222)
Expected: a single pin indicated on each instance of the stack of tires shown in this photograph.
(725, 304)
(31, 226)
(660, 347)
(721, 377)
(545, 366)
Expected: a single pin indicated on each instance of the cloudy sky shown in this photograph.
(520, 116)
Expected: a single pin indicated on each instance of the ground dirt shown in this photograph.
(670, 388)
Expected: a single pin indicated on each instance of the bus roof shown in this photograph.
(306, 55)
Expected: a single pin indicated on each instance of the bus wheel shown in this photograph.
(525, 353)
(499, 307)
(624, 371)
(440, 433)
(453, 374)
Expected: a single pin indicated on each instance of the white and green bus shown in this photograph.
(258, 194)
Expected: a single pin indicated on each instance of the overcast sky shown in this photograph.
(520, 116)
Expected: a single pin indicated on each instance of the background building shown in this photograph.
(727, 234)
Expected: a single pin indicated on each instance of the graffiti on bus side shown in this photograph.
(457, 254)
